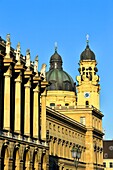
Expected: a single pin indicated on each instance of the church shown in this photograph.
(47, 121)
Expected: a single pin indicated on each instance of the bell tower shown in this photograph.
(88, 87)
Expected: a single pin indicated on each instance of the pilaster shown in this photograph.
(43, 110)
(10, 164)
(89, 156)
(27, 85)
(36, 107)
(18, 81)
(21, 165)
(7, 79)
(59, 147)
(55, 149)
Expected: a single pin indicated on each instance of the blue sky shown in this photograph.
(38, 24)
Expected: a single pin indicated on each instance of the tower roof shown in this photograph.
(87, 54)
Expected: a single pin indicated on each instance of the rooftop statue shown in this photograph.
(17, 51)
(43, 71)
(36, 65)
(8, 43)
(28, 59)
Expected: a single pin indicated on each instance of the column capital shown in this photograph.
(8, 70)
(18, 78)
(18, 68)
(7, 61)
(44, 84)
(27, 73)
(59, 141)
(36, 83)
(55, 139)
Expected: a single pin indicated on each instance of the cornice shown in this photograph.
(61, 117)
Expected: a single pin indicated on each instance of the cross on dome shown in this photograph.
(87, 39)
(56, 46)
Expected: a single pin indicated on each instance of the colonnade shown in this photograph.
(60, 152)
(22, 117)
(23, 86)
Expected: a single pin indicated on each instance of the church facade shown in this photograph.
(45, 115)
(80, 104)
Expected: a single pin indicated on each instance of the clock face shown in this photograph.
(86, 94)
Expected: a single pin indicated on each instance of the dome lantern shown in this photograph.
(55, 60)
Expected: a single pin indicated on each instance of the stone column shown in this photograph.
(39, 167)
(21, 165)
(70, 148)
(50, 145)
(10, 164)
(40, 160)
(6, 163)
(36, 107)
(17, 123)
(59, 147)
(36, 161)
(55, 149)
(89, 154)
(63, 148)
(43, 115)
(43, 110)
(27, 103)
(7, 79)
(66, 150)
(36, 166)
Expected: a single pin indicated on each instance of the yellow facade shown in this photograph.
(107, 162)
(39, 127)
(22, 131)
(83, 107)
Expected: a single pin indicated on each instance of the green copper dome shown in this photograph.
(58, 79)
(87, 54)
